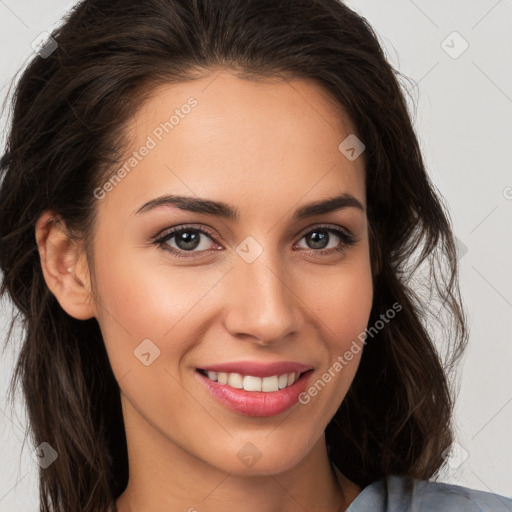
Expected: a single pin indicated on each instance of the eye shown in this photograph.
(179, 241)
(186, 239)
(324, 240)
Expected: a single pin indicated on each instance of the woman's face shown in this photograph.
(267, 284)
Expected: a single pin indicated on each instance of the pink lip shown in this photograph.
(256, 403)
(258, 369)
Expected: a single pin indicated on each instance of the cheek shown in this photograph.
(349, 311)
(344, 315)
(342, 302)
(157, 302)
(342, 308)
(147, 300)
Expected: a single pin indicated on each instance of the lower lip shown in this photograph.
(256, 403)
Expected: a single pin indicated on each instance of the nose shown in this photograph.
(260, 303)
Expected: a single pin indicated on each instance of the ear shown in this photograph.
(64, 266)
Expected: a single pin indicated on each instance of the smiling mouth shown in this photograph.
(252, 383)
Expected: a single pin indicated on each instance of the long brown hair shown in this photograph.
(69, 109)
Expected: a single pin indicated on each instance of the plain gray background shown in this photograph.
(463, 120)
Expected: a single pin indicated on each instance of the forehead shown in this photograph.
(222, 135)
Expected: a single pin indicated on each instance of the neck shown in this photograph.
(165, 477)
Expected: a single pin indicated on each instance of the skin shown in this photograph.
(266, 148)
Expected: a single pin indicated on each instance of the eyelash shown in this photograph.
(347, 240)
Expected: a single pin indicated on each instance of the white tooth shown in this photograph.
(235, 380)
(283, 381)
(252, 383)
(270, 383)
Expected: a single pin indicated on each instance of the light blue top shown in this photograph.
(426, 496)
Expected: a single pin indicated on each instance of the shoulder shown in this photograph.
(436, 495)
(396, 494)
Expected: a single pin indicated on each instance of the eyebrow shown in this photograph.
(223, 210)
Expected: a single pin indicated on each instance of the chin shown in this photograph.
(261, 456)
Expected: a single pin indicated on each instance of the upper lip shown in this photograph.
(257, 369)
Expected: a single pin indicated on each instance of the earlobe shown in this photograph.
(64, 267)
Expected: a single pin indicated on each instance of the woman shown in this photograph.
(211, 216)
